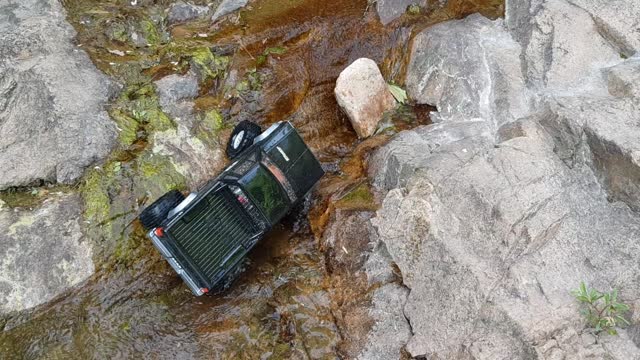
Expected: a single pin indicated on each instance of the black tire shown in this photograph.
(241, 138)
(154, 214)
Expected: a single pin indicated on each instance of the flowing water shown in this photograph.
(288, 53)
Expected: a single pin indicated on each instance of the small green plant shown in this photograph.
(602, 310)
(398, 93)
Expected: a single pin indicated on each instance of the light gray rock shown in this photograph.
(42, 252)
(52, 118)
(603, 133)
(389, 10)
(191, 157)
(476, 76)
(176, 94)
(183, 11)
(227, 7)
(617, 21)
(174, 88)
(391, 331)
(363, 95)
(557, 57)
(495, 242)
(493, 219)
(623, 80)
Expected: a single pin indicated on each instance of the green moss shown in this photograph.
(138, 110)
(360, 198)
(207, 65)
(157, 174)
(414, 9)
(94, 192)
(209, 127)
(150, 32)
(127, 126)
(117, 32)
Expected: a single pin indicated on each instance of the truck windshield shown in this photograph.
(266, 192)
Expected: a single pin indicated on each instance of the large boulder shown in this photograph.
(476, 76)
(363, 95)
(42, 252)
(493, 215)
(491, 237)
(52, 118)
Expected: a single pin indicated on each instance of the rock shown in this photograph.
(389, 10)
(514, 229)
(182, 11)
(623, 80)
(617, 22)
(363, 95)
(495, 213)
(175, 87)
(556, 56)
(227, 7)
(391, 331)
(602, 133)
(52, 118)
(476, 76)
(190, 156)
(42, 253)
(176, 94)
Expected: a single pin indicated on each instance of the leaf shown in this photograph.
(278, 50)
(398, 93)
(34, 192)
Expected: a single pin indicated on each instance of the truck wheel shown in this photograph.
(154, 214)
(241, 138)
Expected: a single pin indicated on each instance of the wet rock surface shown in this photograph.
(52, 118)
(43, 252)
(494, 216)
(227, 7)
(389, 10)
(184, 11)
(364, 96)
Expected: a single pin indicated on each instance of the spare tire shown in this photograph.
(154, 214)
(242, 138)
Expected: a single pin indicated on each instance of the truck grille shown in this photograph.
(214, 232)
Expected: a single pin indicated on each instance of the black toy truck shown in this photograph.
(206, 235)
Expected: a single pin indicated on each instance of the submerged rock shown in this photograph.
(389, 10)
(363, 95)
(227, 7)
(42, 252)
(183, 11)
(52, 119)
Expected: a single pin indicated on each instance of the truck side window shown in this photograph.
(266, 192)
